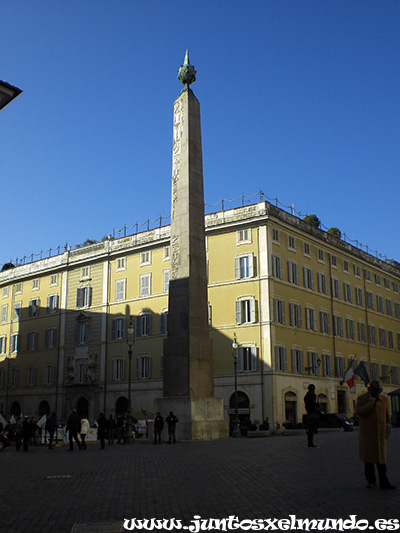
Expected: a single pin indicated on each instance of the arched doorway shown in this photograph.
(290, 409)
(44, 408)
(82, 406)
(121, 405)
(15, 409)
(243, 404)
(323, 402)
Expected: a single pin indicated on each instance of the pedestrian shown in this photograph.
(73, 428)
(373, 410)
(85, 425)
(18, 430)
(26, 433)
(51, 426)
(120, 429)
(171, 420)
(111, 430)
(312, 417)
(102, 430)
(34, 428)
(158, 427)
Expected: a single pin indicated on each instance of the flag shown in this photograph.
(361, 370)
(349, 376)
(3, 421)
(12, 420)
(42, 421)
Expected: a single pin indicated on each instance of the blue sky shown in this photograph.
(298, 98)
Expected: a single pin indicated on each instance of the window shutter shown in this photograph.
(79, 298)
(76, 339)
(139, 326)
(285, 359)
(90, 296)
(254, 310)
(289, 272)
(138, 368)
(237, 267)
(113, 362)
(253, 358)
(48, 309)
(238, 312)
(240, 358)
(300, 317)
(304, 276)
(294, 362)
(252, 266)
(148, 324)
(114, 330)
(277, 358)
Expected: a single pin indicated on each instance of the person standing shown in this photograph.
(102, 430)
(85, 425)
(51, 426)
(111, 430)
(171, 420)
(158, 427)
(73, 428)
(312, 417)
(26, 433)
(373, 410)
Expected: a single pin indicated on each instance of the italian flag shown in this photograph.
(349, 376)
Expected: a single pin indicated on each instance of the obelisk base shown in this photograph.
(200, 418)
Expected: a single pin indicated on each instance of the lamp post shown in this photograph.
(130, 341)
(236, 424)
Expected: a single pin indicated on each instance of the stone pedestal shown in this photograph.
(200, 418)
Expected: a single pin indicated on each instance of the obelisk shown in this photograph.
(188, 375)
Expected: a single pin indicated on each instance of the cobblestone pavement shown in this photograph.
(58, 491)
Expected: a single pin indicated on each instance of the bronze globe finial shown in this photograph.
(187, 73)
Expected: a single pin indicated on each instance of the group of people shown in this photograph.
(79, 427)
(373, 411)
(171, 421)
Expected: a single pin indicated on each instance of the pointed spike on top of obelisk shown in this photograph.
(187, 73)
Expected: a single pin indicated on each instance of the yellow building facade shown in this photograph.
(302, 304)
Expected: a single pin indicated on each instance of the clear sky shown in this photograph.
(298, 98)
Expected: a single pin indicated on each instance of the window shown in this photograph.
(295, 314)
(244, 266)
(3, 344)
(322, 283)
(385, 373)
(394, 372)
(311, 319)
(80, 372)
(120, 289)
(247, 359)
(293, 272)
(386, 283)
(51, 338)
(81, 332)
(334, 261)
(357, 271)
(5, 292)
(297, 361)
(277, 266)
(144, 324)
(2, 378)
(30, 376)
(13, 377)
(52, 303)
(4, 313)
(339, 366)
(308, 276)
(338, 325)
(164, 322)
(372, 334)
(275, 235)
(327, 366)
(121, 263)
(279, 311)
(33, 309)
(145, 284)
(145, 258)
(321, 256)
(48, 374)
(167, 253)
(346, 266)
(244, 236)
(370, 300)
(312, 362)
(359, 296)
(246, 310)
(368, 275)
(324, 322)
(347, 293)
(85, 272)
(336, 288)
(18, 288)
(32, 340)
(397, 310)
(117, 369)
(84, 297)
(375, 371)
(362, 337)
(166, 280)
(291, 243)
(389, 307)
(378, 279)
(54, 279)
(307, 249)
(14, 342)
(382, 337)
(379, 304)
(35, 284)
(17, 310)
(143, 367)
(350, 331)
(390, 339)
(118, 328)
(395, 287)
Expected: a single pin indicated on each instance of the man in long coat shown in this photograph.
(373, 410)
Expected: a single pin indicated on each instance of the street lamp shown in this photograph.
(130, 341)
(236, 424)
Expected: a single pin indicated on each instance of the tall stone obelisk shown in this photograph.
(188, 375)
